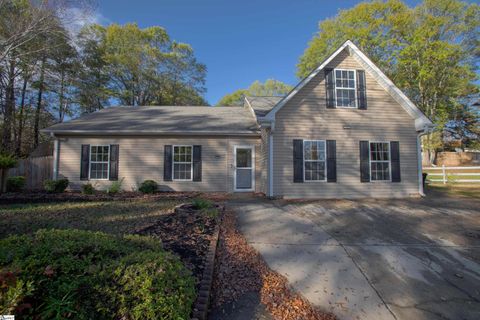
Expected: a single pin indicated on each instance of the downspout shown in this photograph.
(270, 160)
(56, 154)
(419, 161)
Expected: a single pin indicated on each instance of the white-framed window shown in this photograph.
(345, 88)
(314, 160)
(99, 162)
(380, 165)
(182, 163)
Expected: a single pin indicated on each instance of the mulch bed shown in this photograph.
(44, 197)
(186, 232)
(240, 269)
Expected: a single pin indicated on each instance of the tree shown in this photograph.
(270, 87)
(92, 92)
(55, 74)
(430, 51)
(30, 34)
(465, 126)
(145, 67)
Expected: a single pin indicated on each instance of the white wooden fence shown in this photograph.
(450, 174)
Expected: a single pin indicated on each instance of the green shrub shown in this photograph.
(201, 204)
(56, 186)
(93, 275)
(7, 161)
(88, 188)
(16, 184)
(12, 291)
(211, 212)
(148, 186)
(115, 187)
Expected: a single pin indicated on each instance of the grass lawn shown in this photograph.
(114, 217)
(467, 191)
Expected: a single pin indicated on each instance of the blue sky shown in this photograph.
(240, 41)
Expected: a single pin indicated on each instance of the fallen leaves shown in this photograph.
(187, 233)
(240, 269)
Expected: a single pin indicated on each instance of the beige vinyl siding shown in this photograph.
(305, 116)
(142, 158)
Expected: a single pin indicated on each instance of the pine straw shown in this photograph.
(240, 269)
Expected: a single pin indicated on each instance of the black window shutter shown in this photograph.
(330, 88)
(297, 160)
(395, 160)
(114, 152)
(84, 162)
(364, 161)
(331, 161)
(361, 90)
(167, 163)
(197, 163)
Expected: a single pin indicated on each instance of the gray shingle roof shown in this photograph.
(161, 120)
(262, 105)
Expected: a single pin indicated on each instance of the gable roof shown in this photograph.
(262, 105)
(161, 120)
(421, 121)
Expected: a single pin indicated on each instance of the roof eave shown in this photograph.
(150, 133)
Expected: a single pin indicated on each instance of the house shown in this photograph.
(345, 131)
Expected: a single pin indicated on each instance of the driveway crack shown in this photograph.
(368, 281)
(363, 273)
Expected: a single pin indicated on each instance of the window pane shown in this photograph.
(244, 158)
(314, 155)
(307, 150)
(188, 171)
(321, 150)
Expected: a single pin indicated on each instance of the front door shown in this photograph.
(244, 175)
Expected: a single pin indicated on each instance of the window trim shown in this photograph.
(173, 162)
(354, 89)
(90, 162)
(389, 161)
(325, 167)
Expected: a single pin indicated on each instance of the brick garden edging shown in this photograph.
(200, 308)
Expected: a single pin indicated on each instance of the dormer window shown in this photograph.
(345, 88)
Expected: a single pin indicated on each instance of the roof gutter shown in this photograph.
(148, 133)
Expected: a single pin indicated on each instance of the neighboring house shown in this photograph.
(345, 131)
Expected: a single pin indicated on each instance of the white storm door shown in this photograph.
(244, 175)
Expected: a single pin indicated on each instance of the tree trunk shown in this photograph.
(36, 125)
(9, 108)
(18, 147)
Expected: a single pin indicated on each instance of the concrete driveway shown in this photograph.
(388, 259)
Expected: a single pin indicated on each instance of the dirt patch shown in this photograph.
(240, 269)
(187, 232)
